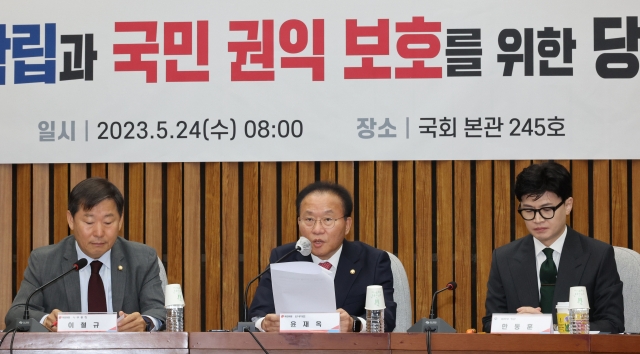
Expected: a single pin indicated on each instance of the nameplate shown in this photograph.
(87, 322)
(310, 322)
(521, 323)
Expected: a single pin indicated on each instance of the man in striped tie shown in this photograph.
(533, 273)
(324, 217)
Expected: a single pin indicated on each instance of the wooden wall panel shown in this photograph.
(289, 191)
(501, 203)
(191, 240)
(134, 205)
(346, 178)
(444, 250)
(98, 170)
(619, 206)
(521, 227)
(6, 241)
(230, 240)
(23, 220)
(41, 199)
(424, 239)
(366, 219)
(217, 222)
(153, 195)
(601, 200)
(268, 211)
(328, 171)
(77, 173)
(306, 174)
(484, 234)
(384, 205)
(213, 246)
(406, 217)
(581, 205)
(174, 223)
(251, 224)
(462, 243)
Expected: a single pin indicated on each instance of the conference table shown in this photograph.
(338, 343)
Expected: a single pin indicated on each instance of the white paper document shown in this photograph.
(302, 287)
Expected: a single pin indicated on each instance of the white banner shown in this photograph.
(286, 80)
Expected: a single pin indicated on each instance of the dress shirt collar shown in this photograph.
(105, 258)
(333, 260)
(556, 246)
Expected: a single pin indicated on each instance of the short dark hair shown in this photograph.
(91, 192)
(537, 179)
(327, 187)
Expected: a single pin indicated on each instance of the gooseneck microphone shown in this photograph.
(304, 247)
(24, 325)
(452, 285)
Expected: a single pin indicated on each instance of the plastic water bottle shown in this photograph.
(579, 321)
(175, 318)
(375, 321)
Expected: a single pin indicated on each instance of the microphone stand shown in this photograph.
(27, 324)
(246, 325)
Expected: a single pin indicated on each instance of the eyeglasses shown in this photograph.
(327, 223)
(545, 213)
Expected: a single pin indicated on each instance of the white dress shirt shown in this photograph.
(540, 256)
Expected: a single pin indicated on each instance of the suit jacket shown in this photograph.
(513, 280)
(372, 267)
(135, 288)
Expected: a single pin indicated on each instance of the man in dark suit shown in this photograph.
(534, 273)
(324, 217)
(127, 272)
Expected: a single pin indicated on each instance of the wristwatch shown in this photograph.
(357, 325)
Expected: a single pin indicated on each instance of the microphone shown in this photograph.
(452, 285)
(434, 324)
(24, 324)
(304, 247)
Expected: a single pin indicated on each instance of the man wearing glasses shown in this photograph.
(324, 217)
(535, 272)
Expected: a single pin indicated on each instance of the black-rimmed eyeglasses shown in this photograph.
(545, 213)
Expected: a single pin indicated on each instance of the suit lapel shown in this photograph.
(572, 263)
(71, 281)
(349, 259)
(523, 273)
(118, 277)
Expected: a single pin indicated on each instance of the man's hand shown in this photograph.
(346, 321)
(271, 323)
(51, 322)
(529, 309)
(131, 322)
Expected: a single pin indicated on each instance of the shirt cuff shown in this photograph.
(259, 324)
(364, 324)
(42, 319)
(157, 324)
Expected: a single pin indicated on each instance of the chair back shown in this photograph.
(628, 263)
(401, 295)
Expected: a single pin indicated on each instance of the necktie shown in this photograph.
(97, 300)
(325, 265)
(548, 274)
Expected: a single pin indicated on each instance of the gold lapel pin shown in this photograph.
(352, 271)
(119, 267)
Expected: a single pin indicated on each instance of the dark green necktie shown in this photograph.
(548, 274)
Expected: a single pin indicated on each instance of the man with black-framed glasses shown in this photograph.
(534, 273)
(324, 217)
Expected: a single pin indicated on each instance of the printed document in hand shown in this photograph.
(302, 287)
